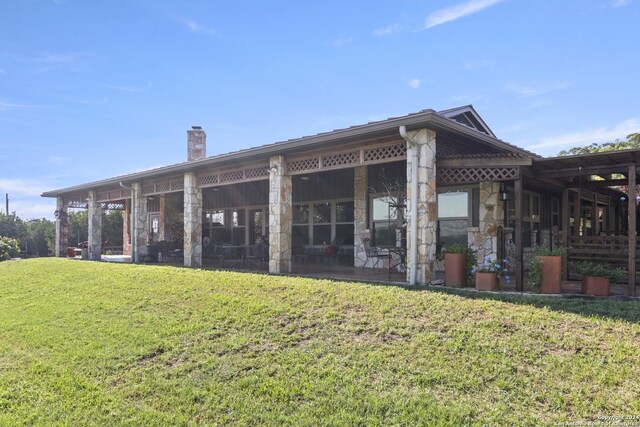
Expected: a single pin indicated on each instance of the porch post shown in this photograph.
(140, 221)
(126, 228)
(491, 215)
(518, 234)
(577, 211)
(62, 228)
(427, 205)
(565, 232)
(95, 227)
(161, 231)
(360, 181)
(280, 217)
(192, 221)
(595, 223)
(632, 229)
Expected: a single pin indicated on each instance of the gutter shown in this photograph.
(133, 221)
(413, 212)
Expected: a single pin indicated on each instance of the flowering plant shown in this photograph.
(499, 268)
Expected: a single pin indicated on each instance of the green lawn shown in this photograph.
(85, 343)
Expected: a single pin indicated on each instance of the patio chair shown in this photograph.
(373, 252)
(256, 254)
(335, 250)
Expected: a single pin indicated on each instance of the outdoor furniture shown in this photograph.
(335, 250)
(233, 254)
(373, 252)
(300, 254)
(257, 253)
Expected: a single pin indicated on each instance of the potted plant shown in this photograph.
(597, 278)
(459, 260)
(489, 273)
(545, 270)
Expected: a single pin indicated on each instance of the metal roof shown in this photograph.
(388, 127)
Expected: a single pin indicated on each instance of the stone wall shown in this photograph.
(62, 228)
(360, 202)
(95, 227)
(280, 217)
(427, 203)
(126, 228)
(192, 221)
(141, 231)
(484, 238)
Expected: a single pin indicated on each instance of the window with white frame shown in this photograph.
(388, 215)
(453, 217)
(318, 223)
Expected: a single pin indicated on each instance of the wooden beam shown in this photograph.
(577, 214)
(565, 232)
(518, 240)
(595, 224)
(632, 230)
(483, 163)
(589, 170)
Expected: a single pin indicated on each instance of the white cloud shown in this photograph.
(195, 27)
(452, 13)
(414, 83)
(620, 3)
(389, 29)
(341, 41)
(10, 105)
(48, 61)
(22, 187)
(124, 88)
(528, 91)
(589, 136)
(34, 208)
(478, 64)
(58, 161)
(466, 99)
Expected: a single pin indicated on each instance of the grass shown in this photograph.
(85, 343)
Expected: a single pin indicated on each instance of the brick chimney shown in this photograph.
(196, 144)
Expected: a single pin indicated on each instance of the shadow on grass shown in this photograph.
(609, 308)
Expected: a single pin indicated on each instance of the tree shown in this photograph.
(633, 141)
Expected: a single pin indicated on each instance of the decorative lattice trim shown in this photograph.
(465, 175)
(207, 180)
(258, 172)
(395, 151)
(113, 206)
(303, 165)
(231, 176)
(341, 159)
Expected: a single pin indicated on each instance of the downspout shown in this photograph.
(413, 212)
(133, 221)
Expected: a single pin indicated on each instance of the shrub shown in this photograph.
(8, 248)
(588, 268)
(462, 248)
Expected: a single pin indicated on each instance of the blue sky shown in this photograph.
(94, 89)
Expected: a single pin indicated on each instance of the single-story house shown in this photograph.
(387, 192)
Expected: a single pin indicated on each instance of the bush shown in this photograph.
(8, 248)
(588, 268)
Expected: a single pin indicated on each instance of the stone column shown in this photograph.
(95, 227)
(163, 216)
(280, 217)
(427, 205)
(360, 185)
(192, 221)
(62, 228)
(126, 228)
(485, 237)
(140, 231)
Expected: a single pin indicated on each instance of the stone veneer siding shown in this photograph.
(95, 227)
(192, 221)
(62, 228)
(140, 232)
(360, 215)
(427, 203)
(280, 217)
(484, 238)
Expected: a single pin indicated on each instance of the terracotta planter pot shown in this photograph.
(595, 285)
(454, 270)
(551, 274)
(486, 281)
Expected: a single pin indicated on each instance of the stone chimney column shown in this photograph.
(196, 144)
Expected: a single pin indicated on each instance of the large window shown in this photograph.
(453, 217)
(319, 223)
(388, 215)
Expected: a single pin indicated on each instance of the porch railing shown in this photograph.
(610, 250)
